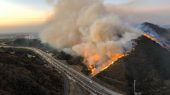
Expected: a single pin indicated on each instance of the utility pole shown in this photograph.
(134, 89)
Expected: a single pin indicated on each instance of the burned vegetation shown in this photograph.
(148, 64)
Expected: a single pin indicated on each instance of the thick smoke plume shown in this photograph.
(87, 29)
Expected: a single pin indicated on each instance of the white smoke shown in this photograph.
(87, 29)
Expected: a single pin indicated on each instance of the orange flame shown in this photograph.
(155, 40)
(112, 61)
(152, 38)
(104, 66)
(95, 58)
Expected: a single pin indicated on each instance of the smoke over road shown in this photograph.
(85, 28)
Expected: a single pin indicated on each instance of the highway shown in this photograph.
(80, 78)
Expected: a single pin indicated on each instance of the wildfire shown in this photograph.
(152, 38)
(113, 58)
(112, 61)
(104, 66)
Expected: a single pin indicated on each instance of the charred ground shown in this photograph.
(148, 64)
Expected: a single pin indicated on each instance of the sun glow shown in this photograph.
(12, 14)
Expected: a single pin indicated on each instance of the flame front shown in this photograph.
(153, 39)
(93, 60)
(150, 37)
(96, 58)
(111, 61)
(158, 41)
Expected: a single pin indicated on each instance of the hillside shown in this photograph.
(148, 64)
(159, 33)
(24, 73)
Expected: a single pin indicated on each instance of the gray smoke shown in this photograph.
(85, 28)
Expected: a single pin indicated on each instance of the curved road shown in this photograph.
(80, 78)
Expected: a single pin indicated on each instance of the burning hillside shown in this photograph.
(85, 28)
(158, 34)
(104, 66)
(147, 63)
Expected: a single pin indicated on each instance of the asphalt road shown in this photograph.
(80, 78)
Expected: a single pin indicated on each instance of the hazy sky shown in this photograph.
(137, 11)
(18, 12)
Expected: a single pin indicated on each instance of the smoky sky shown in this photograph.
(138, 11)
